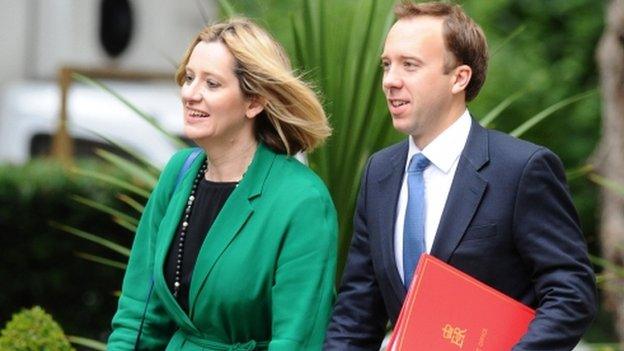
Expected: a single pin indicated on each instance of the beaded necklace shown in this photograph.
(185, 223)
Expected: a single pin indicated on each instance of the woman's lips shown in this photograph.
(194, 115)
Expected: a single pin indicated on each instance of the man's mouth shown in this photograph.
(398, 103)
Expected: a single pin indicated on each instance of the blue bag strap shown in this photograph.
(187, 165)
(185, 168)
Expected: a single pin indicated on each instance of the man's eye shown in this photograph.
(212, 84)
(385, 66)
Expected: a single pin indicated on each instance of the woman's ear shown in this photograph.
(256, 105)
(462, 76)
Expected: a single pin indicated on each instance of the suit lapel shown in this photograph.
(232, 217)
(389, 188)
(465, 194)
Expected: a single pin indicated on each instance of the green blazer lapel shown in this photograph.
(166, 233)
(230, 220)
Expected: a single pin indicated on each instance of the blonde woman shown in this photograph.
(236, 248)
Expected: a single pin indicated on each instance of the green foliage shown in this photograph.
(551, 59)
(339, 44)
(33, 330)
(604, 347)
(135, 176)
(86, 342)
(144, 115)
(40, 265)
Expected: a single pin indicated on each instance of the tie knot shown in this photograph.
(418, 163)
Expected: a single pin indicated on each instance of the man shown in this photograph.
(493, 206)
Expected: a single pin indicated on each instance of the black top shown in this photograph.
(209, 199)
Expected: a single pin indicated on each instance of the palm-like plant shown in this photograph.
(138, 178)
(339, 45)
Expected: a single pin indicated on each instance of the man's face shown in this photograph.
(418, 91)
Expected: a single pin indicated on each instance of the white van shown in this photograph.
(29, 116)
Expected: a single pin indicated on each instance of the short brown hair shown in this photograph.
(462, 37)
(293, 119)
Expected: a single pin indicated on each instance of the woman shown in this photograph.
(239, 243)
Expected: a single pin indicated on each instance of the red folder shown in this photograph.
(446, 309)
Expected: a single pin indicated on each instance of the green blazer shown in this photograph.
(264, 277)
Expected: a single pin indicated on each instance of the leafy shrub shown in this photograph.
(40, 262)
(34, 330)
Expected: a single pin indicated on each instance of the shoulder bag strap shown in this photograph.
(183, 171)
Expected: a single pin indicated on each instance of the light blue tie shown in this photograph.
(414, 226)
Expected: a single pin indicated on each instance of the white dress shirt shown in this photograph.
(443, 152)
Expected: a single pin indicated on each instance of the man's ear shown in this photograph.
(461, 78)
(255, 106)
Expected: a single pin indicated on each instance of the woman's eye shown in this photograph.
(212, 84)
(188, 79)
(385, 66)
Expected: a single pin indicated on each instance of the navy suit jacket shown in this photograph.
(508, 221)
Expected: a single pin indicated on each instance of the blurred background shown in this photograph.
(89, 112)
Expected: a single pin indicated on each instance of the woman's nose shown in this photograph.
(190, 92)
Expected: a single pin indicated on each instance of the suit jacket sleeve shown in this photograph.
(158, 327)
(550, 242)
(359, 318)
(303, 289)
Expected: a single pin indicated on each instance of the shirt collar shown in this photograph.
(445, 149)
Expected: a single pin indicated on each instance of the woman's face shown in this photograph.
(215, 109)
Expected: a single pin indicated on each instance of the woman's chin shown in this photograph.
(195, 134)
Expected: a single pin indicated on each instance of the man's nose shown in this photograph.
(391, 80)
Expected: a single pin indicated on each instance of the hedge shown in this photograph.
(40, 265)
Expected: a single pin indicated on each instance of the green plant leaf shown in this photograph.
(603, 346)
(106, 209)
(102, 260)
(129, 167)
(602, 262)
(131, 202)
(607, 183)
(204, 11)
(338, 45)
(86, 342)
(226, 9)
(299, 53)
(145, 163)
(125, 224)
(496, 111)
(508, 39)
(579, 172)
(146, 116)
(93, 238)
(549, 111)
(112, 180)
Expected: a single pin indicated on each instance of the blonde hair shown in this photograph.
(293, 119)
